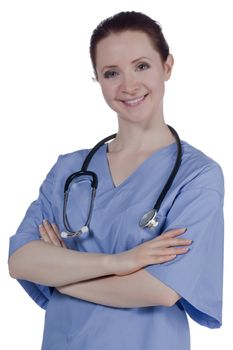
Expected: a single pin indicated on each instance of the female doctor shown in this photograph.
(122, 272)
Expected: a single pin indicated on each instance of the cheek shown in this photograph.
(154, 81)
(158, 88)
(109, 94)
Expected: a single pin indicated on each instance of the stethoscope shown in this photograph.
(149, 219)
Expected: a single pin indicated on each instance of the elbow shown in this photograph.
(18, 262)
(13, 267)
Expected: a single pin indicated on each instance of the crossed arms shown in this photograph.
(116, 280)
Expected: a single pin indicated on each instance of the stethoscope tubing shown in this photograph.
(149, 219)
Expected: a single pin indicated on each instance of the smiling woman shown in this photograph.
(118, 277)
(136, 80)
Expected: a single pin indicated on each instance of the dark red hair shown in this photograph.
(129, 20)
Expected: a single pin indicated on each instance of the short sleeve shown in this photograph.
(197, 276)
(28, 231)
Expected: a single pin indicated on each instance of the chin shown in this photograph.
(137, 118)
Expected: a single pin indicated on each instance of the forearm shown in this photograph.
(47, 264)
(138, 289)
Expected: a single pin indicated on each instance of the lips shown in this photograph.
(135, 101)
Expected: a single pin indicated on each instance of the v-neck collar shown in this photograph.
(156, 154)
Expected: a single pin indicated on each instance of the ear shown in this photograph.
(168, 65)
(95, 77)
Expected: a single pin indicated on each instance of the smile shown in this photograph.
(135, 102)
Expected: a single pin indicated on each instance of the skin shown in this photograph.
(140, 128)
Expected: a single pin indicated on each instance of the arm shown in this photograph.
(47, 264)
(138, 289)
(135, 289)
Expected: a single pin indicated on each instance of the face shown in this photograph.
(132, 75)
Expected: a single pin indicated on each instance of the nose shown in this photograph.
(129, 84)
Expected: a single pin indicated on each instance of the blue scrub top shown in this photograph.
(195, 201)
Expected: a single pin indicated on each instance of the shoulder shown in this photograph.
(69, 163)
(198, 170)
(73, 157)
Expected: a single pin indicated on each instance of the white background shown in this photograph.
(50, 106)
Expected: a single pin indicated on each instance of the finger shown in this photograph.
(44, 235)
(170, 242)
(164, 258)
(56, 230)
(172, 233)
(171, 251)
(51, 233)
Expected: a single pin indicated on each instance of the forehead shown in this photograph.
(124, 46)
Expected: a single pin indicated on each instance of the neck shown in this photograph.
(134, 138)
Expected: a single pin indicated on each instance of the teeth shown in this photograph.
(131, 102)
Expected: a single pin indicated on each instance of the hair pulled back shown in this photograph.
(129, 20)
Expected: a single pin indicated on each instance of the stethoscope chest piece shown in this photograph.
(149, 219)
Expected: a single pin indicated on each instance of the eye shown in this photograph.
(143, 66)
(110, 74)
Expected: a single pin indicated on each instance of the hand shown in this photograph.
(50, 234)
(155, 251)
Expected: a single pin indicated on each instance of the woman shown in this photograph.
(120, 284)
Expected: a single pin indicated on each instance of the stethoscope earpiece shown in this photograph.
(65, 234)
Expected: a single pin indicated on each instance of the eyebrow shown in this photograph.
(134, 61)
